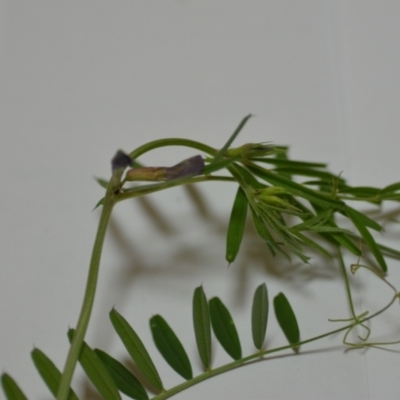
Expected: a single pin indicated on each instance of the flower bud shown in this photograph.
(250, 150)
(187, 168)
(147, 174)
(270, 196)
(121, 160)
(271, 190)
(190, 167)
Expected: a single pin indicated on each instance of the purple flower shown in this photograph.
(190, 167)
(121, 160)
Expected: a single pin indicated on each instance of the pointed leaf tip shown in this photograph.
(11, 389)
(259, 316)
(221, 153)
(49, 372)
(170, 347)
(224, 328)
(286, 319)
(236, 227)
(136, 349)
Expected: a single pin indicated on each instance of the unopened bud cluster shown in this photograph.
(275, 196)
(250, 150)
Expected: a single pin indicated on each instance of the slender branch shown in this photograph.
(152, 188)
(347, 283)
(259, 355)
(172, 142)
(90, 291)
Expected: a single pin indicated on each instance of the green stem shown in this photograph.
(87, 305)
(155, 144)
(152, 188)
(347, 284)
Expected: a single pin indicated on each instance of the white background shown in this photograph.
(81, 79)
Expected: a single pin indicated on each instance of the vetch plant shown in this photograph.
(294, 207)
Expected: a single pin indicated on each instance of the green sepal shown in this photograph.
(99, 203)
(102, 182)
